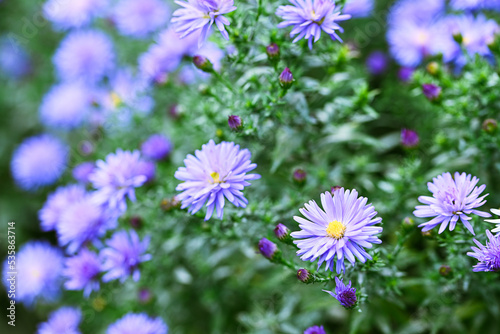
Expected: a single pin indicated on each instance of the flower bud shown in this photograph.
(286, 78)
(173, 111)
(431, 91)
(86, 148)
(145, 295)
(409, 138)
(444, 270)
(409, 222)
(433, 68)
(377, 63)
(490, 125)
(299, 176)
(273, 51)
(203, 63)
(268, 248)
(334, 189)
(234, 122)
(304, 276)
(282, 232)
(136, 222)
(167, 204)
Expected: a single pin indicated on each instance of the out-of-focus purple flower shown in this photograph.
(145, 295)
(86, 55)
(487, 255)
(86, 148)
(342, 229)
(344, 293)
(123, 255)
(66, 106)
(82, 272)
(15, 63)
(39, 161)
(359, 8)
(216, 172)
(82, 171)
(148, 169)
(423, 11)
(37, 272)
(64, 320)
(234, 122)
(409, 138)
(65, 14)
(57, 202)
(139, 18)
(267, 248)
(315, 330)
(116, 178)
(309, 18)
(139, 324)
(475, 4)
(156, 147)
(201, 15)
(405, 74)
(431, 91)
(452, 198)
(82, 222)
(377, 62)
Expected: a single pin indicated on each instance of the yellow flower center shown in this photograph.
(215, 178)
(36, 273)
(335, 230)
(116, 101)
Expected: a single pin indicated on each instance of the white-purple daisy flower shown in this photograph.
(123, 255)
(82, 272)
(201, 15)
(116, 179)
(310, 17)
(215, 173)
(64, 320)
(453, 198)
(139, 18)
(86, 55)
(487, 255)
(37, 272)
(39, 161)
(345, 294)
(138, 324)
(341, 230)
(57, 202)
(65, 14)
(495, 221)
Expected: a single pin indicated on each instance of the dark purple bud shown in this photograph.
(203, 63)
(273, 51)
(286, 78)
(282, 232)
(145, 295)
(136, 222)
(431, 91)
(299, 176)
(490, 125)
(234, 122)
(405, 74)
(267, 248)
(86, 148)
(444, 270)
(334, 189)
(304, 276)
(377, 62)
(409, 138)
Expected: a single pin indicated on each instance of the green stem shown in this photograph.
(224, 81)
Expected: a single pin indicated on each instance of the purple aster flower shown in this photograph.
(65, 14)
(38, 161)
(138, 324)
(116, 178)
(15, 63)
(342, 229)
(201, 15)
(358, 8)
(148, 169)
(216, 172)
(82, 272)
(405, 74)
(139, 18)
(86, 55)
(422, 11)
(267, 248)
(82, 222)
(309, 17)
(156, 147)
(64, 320)
(57, 202)
(452, 198)
(37, 272)
(475, 4)
(122, 256)
(344, 293)
(66, 106)
(377, 62)
(82, 171)
(315, 330)
(409, 138)
(431, 91)
(487, 255)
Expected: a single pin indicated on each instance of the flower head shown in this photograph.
(156, 147)
(487, 255)
(315, 330)
(377, 62)
(139, 18)
(37, 272)
(217, 172)
(116, 178)
(359, 8)
(64, 320)
(409, 138)
(65, 14)
(342, 229)
(57, 202)
(452, 198)
(138, 324)
(122, 256)
(15, 63)
(202, 14)
(86, 55)
(310, 17)
(82, 171)
(39, 161)
(344, 293)
(82, 271)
